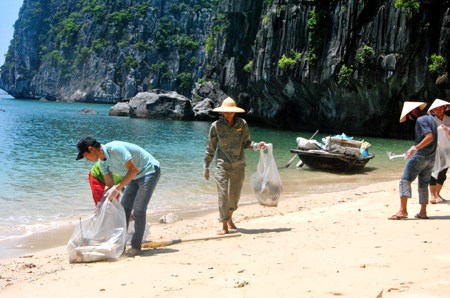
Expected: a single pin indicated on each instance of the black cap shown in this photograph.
(84, 144)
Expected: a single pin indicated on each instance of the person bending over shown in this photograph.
(140, 171)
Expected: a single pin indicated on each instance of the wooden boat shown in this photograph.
(337, 155)
(336, 162)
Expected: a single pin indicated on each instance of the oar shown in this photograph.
(293, 157)
(167, 243)
(290, 161)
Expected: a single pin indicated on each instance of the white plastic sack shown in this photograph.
(308, 144)
(102, 236)
(441, 160)
(130, 231)
(266, 181)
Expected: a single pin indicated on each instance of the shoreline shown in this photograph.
(319, 245)
(59, 236)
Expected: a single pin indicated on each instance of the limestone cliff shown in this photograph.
(105, 51)
(332, 65)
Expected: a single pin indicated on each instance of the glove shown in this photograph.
(259, 146)
(262, 145)
(112, 193)
(410, 152)
(206, 173)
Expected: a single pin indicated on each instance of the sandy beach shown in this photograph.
(320, 245)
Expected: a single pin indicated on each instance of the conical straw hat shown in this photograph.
(437, 103)
(409, 106)
(229, 105)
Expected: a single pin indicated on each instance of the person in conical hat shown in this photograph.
(227, 139)
(442, 162)
(411, 109)
(229, 106)
(421, 159)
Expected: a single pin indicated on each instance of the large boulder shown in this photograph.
(120, 109)
(203, 110)
(159, 104)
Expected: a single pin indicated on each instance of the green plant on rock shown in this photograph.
(141, 10)
(184, 80)
(123, 43)
(209, 44)
(82, 55)
(409, 5)
(266, 19)
(68, 30)
(288, 62)
(316, 23)
(165, 34)
(178, 8)
(437, 64)
(249, 66)
(185, 42)
(344, 76)
(365, 55)
(159, 67)
(142, 46)
(99, 12)
(120, 17)
(130, 62)
(99, 44)
(56, 57)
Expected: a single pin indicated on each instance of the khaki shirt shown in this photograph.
(228, 143)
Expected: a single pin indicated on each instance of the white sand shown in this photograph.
(326, 245)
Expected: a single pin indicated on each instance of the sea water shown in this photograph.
(43, 187)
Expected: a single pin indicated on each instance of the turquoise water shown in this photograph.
(44, 187)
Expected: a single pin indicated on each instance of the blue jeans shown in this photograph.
(135, 198)
(417, 166)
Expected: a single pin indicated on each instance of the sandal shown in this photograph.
(398, 217)
(418, 216)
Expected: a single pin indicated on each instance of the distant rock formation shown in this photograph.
(156, 104)
(88, 111)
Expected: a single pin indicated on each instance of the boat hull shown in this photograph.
(322, 160)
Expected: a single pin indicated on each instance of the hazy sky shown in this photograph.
(9, 13)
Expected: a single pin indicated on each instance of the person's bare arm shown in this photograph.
(426, 141)
(132, 172)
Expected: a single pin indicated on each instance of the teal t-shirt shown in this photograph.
(118, 153)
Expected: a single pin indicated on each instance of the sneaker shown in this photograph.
(132, 252)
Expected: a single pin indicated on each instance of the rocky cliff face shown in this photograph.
(105, 51)
(333, 65)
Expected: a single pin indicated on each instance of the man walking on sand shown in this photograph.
(227, 139)
(421, 159)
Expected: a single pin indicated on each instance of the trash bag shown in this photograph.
(130, 231)
(102, 236)
(441, 160)
(305, 144)
(266, 181)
